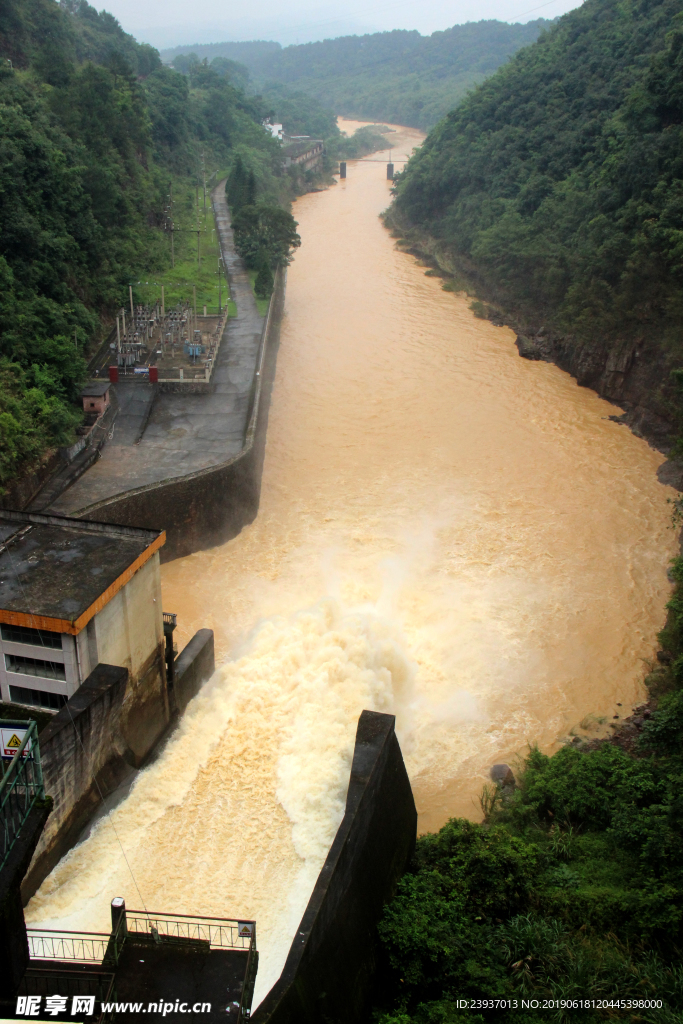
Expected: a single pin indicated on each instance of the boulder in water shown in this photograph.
(502, 775)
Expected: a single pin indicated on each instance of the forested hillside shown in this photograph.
(399, 76)
(557, 188)
(94, 132)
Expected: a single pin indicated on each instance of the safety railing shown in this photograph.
(216, 932)
(21, 784)
(79, 947)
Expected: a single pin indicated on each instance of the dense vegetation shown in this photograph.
(265, 234)
(298, 112)
(557, 184)
(94, 131)
(571, 889)
(399, 76)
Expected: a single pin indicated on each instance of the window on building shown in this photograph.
(37, 698)
(37, 637)
(35, 667)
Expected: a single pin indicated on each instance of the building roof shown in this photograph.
(57, 572)
(95, 390)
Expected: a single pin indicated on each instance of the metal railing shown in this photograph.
(216, 932)
(80, 947)
(20, 787)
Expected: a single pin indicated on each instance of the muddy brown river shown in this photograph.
(447, 532)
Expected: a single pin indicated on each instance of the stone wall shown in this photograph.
(331, 962)
(207, 508)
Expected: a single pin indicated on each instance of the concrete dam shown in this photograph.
(447, 534)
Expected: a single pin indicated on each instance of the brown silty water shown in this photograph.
(447, 532)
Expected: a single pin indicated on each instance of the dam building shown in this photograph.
(74, 594)
(87, 652)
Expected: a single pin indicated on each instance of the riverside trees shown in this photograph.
(265, 233)
(570, 895)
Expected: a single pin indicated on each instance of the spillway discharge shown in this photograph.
(237, 815)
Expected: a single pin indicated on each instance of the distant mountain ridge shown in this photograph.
(398, 76)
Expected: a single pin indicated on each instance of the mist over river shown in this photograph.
(447, 532)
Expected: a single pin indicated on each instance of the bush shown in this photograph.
(263, 285)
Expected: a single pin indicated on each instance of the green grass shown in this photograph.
(178, 281)
(261, 304)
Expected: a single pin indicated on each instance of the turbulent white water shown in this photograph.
(447, 532)
(237, 815)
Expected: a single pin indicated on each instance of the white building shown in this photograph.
(74, 594)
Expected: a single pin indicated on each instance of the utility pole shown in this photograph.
(197, 199)
(132, 311)
(204, 177)
(170, 201)
(219, 286)
(163, 306)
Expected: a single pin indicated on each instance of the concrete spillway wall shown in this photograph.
(331, 962)
(104, 731)
(211, 506)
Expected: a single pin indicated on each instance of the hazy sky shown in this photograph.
(172, 22)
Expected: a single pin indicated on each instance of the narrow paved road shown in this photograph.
(185, 432)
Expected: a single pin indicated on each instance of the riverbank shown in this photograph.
(634, 375)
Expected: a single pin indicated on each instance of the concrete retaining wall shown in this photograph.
(194, 665)
(331, 962)
(207, 508)
(111, 724)
(84, 753)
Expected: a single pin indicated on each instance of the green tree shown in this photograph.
(263, 284)
(265, 233)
